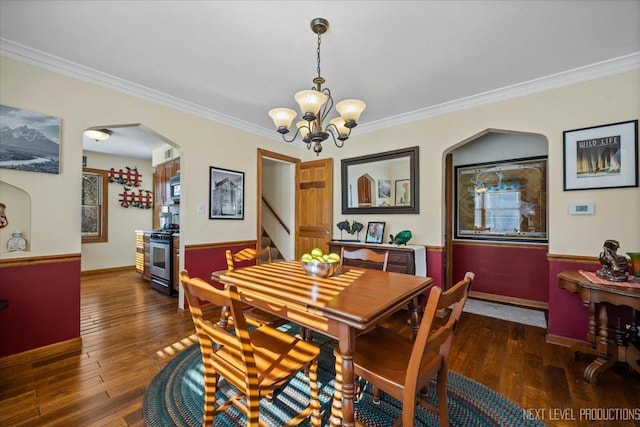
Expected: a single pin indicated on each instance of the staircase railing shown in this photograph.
(280, 221)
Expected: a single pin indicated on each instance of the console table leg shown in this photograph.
(607, 357)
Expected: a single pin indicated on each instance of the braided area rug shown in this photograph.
(175, 398)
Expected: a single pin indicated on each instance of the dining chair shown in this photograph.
(403, 367)
(254, 315)
(365, 257)
(255, 361)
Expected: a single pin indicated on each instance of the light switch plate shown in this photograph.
(582, 208)
(200, 207)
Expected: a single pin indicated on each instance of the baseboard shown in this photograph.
(108, 270)
(63, 347)
(509, 300)
(564, 341)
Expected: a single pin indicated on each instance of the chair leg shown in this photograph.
(210, 386)
(442, 397)
(314, 400)
(253, 409)
(336, 406)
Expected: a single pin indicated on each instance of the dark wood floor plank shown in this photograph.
(129, 333)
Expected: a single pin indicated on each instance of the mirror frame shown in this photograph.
(413, 208)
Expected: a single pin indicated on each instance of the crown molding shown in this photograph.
(58, 65)
(598, 70)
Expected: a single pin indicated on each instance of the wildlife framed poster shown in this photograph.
(604, 156)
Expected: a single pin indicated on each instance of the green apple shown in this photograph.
(316, 252)
(306, 258)
(333, 257)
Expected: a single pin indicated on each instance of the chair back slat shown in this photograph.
(247, 254)
(221, 348)
(365, 254)
(430, 339)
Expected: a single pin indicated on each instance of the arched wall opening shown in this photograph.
(507, 270)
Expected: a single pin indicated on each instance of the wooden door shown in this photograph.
(314, 206)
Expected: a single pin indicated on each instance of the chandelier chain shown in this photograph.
(318, 52)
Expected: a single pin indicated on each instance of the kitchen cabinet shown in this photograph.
(142, 254)
(402, 259)
(161, 192)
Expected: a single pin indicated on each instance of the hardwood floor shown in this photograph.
(130, 331)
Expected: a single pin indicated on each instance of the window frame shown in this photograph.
(103, 207)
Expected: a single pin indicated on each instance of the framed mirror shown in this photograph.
(384, 183)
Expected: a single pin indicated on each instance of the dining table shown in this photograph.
(351, 301)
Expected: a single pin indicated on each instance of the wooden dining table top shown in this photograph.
(355, 296)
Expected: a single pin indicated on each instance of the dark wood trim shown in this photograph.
(48, 351)
(578, 259)
(47, 259)
(509, 300)
(448, 211)
(564, 341)
(108, 270)
(540, 246)
(201, 246)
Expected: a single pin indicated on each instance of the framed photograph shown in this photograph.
(384, 188)
(604, 156)
(29, 141)
(403, 192)
(226, 189)
(505, 201)
(375, 232)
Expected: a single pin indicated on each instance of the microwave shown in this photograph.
(174, 188)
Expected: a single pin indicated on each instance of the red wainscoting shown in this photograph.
(435, 265)
(516, 271)
(201, 261)
(568, 317)
(44, 303)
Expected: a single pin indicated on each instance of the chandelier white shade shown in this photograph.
(316, 104)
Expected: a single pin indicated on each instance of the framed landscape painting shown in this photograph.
(29, 141)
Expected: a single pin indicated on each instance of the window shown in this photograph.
(502, 201)
(95, 217)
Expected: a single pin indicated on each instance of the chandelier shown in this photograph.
(316, 104)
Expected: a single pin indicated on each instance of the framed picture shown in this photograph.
(375, 231)
(226, 189)
(403, 192)
(29, 141)
(603, 156)
(504, 200)
(384, 188)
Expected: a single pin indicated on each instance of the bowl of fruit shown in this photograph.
(317, 264)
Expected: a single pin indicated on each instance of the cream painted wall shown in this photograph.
(204, 143)
(18, 214)
(607, 100)
(120, 250)
(55, 222)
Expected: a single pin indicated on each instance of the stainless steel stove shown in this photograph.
(161, 253)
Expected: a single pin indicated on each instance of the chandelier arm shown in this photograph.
(328, 106)
(335, 140)
(294, 136)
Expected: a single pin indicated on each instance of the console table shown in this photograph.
(408, 259)
(624, 347)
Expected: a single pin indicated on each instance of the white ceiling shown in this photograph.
(232, 61)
